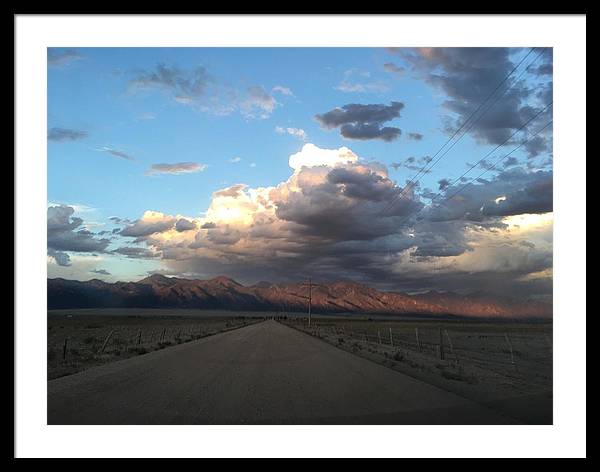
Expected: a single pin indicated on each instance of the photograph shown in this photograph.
(300, 236)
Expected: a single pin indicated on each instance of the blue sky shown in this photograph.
(245, 113)
(92, 94)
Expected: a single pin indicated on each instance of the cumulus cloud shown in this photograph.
(100, 271)
(65, 134)
(184, 225)
(65, 233)
(415, 136)
(151, 222)
(327, 219)
(363, 122)
(312, 156)
(176, 168)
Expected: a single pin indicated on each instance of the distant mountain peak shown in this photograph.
(158, 278)
(223, 280)
(224, 293)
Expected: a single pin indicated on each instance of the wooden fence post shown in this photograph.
(65, 349)
(417, 336)
(441, 345)
(451, 347)
(391, 338)
(512, 359)
(139, 341)
(379, 336)
(106, 341)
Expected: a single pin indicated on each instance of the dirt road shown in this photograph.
(265, 373)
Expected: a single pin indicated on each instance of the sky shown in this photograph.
(408, 169)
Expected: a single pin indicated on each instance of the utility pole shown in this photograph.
(309, 300)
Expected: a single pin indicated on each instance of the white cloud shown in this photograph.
(176, 168)
(282, 90)
(257, 103)
(311, 156)
(296, 132)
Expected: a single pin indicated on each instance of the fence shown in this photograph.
(489, 348)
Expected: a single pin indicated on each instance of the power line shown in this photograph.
(488, 108)
(496, 162)
(503, 143)
(448, 198)
(425, 168)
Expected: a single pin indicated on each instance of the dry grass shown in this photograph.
(134, 333)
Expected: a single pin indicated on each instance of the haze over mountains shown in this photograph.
(158, 291)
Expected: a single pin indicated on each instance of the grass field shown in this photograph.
(485, 361)
(489, 362)
(95, 337)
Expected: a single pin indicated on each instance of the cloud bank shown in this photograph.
(326, 221)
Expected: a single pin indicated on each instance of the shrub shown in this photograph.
(138, 350)
(459, 375)
(398, 356)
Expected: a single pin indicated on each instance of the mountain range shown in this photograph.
(222, 293)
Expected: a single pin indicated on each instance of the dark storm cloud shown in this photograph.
(64, 235)
(208, 225)
(142, 228)
(184, 225)
(443, 184)
(65, 134)
(468, 75)
(61, 258)
(345, 206)
(512, 192)
(363, 122)
(135, 252)
(361, 186)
